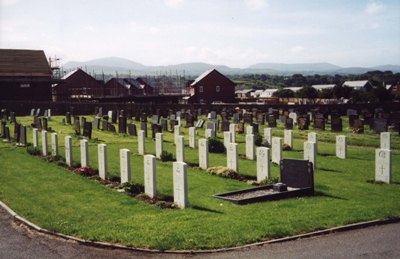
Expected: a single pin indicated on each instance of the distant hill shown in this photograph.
(112, 65)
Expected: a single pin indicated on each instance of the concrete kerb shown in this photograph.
(107, 245)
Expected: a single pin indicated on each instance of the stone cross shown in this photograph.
(276, 150)
(312, 137)
(180, 149)
(383, 165)
(125, 165)
(250, 146)
(232, 130)
(150, 182)
(68, 150)
(141, 142)
(180, 184)
(103, 165)
(35, 135)
(192, 137)
(232, 157)
(84, 152)
(268, 136)
(263, 164)
(45, 147)
(203, 153)
(310, 152)
(159, 145)
(54, 144)
(341, 146)
(385, 140)
(288, 138)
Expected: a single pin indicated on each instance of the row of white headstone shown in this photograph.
(383, 159)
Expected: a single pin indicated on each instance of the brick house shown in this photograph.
(212, 86)
(119, 87)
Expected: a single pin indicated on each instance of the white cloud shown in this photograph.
(297, 49)
(375, 25)
(173, 3)
(8, 2)
(256, 5)
(143, 29)
(374, 7)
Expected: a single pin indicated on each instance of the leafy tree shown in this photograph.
(307, 92)
(287, 93)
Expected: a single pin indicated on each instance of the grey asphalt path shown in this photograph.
(372, 242)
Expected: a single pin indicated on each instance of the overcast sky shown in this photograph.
(236, 33)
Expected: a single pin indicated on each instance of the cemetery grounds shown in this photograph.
(55, 198)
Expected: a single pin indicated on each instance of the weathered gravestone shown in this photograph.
(150, 182)
(68, 118)
(141, 142)
(232, 157)
(84, 146)
(336, 124)
(143, 126)
(261, 118)
(180, 149)
(111, 128)
(102, 159)
(203, 153)
(303, 122)
(87, 130)
(180, 184)
(352, 118)
(240, 128)
(268, 136)
(358, 126)
(248, 118)
(225, 126)
(383, 165)
(276, 150)
(263, 164)
(68, 150)
(17, 132)
(164, 124)
(250, 146)
(385, 140)
(271, 121)
(132, 129)
(380, 125)
(125, 165)
(22, 138)
(45, 146)
(192, 137)
(77, 126)
(288, 138)
(104, 125)
(159, 145)
(319, 123)
(227, 138)
(310, 152)
(122, 124)
(341, 147)
(289, 124)
(232, 130)
(54, 144)
(96, 123)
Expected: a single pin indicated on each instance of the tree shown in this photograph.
(326, 93)
(284, 93)
(307, 92)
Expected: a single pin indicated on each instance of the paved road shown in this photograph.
(373, 242)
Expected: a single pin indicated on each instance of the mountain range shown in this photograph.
(121, 66)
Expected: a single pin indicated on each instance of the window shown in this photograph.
(218, 88)
(201, 89)
(25, 85)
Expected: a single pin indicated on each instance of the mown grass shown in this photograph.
(55, 198)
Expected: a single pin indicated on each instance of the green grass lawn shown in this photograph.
(57, 199)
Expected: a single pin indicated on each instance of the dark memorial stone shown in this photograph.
(213, 115)
(38, 112)
(297, 173)
(122, 124)
(380, 125)
(155, 128)
(225, 126)
(143, 126)
(68, 118)
(224, 116)
(236, 118)
(45, 123)
(261, 119)
(132, 129)
(303, 122)
(164, 124)
(96, 123)
(7, 133)
(358, 126)
(336, 124)
(83, 120)
(100, 112)
(38, 123)
(255, 128)
(200, 124)
(87, 130)
(4, 114)
(271, 121)
(111, 128)
(352, 118)
(282, 119)
(114, 116)
(212, 125)
(77, 126)
(173, 123)
(319, 123)
(143, 117)
(3, 128)
(248, 118)
(12, 117)
(289, 124)
(240, 128)
(104, 125)
(155, 119)
(46, 113)
(22, 135)
(189, 120)
(17, 132)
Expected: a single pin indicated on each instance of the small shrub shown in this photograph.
(115, 179)
(223, 172)
(286, 147)
(61, 163)
(166, 205)
(166, 156)
(269, 181)
(33, 151)
(258, 141)
(85, 171)
(133, 188)
(215, 145)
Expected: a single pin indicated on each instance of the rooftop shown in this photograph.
(22, 62)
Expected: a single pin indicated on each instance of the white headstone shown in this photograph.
(84, 153)
(227, 138)
(203, 153)
(209, 133)
(68, 150)
(249, 130)
(192, 137)
(232, 157)
(141, 142)
(288, 138)
(293, 116)
(159, 145)
(178, 118)
(177, 132)
(341, 146)
(180, 149)
(385, 140)
(180, 184)
(232, 130)
(312, 137)
(102, 156)
(250, 146)
(310, 152)
(45, 146)
(35, 135)
(125, 165)
(109, 114)
(276, 150)
(54, 144)
(49, 113)
(150, 182)
(383, 165)
(263, 164)
(268, 136)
